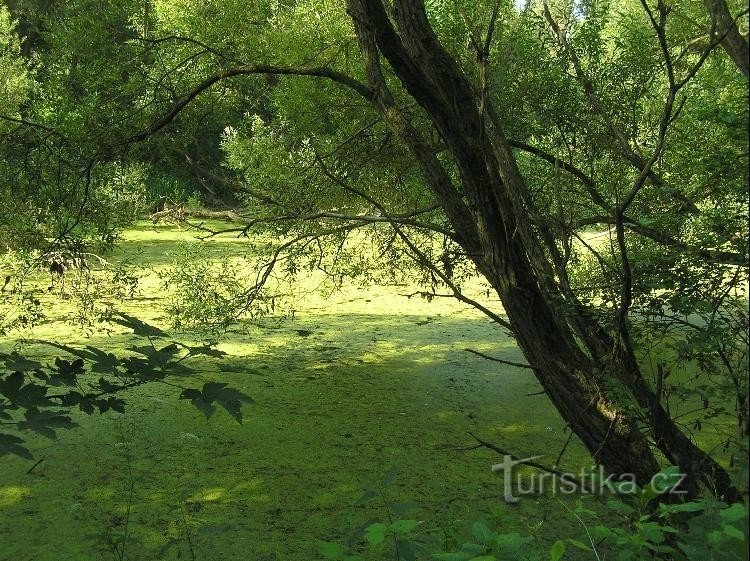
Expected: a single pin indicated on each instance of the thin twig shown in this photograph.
(531, 463)
(500, 360)
(32, 467)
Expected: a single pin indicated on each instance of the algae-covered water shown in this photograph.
(354, 385)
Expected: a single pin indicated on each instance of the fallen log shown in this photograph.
(179, 213)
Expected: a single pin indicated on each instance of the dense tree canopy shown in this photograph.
(462, 138)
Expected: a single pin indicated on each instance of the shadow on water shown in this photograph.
(340, 399)
(354, 385)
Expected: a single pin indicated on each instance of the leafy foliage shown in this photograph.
(637, 526)
(42, 398)
(205, 295)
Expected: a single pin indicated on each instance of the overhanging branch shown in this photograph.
(248, 70)
(709, 255)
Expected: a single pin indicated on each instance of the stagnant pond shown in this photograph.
(356, 383)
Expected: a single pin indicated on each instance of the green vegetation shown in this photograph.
(272, 270)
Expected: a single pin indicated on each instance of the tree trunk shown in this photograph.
(564, 348)
(733, 43)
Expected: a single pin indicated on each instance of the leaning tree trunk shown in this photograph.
(564, 348)
(733, 42)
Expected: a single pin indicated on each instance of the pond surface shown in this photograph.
(357, 383)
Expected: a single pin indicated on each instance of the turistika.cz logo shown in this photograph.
(590, 481)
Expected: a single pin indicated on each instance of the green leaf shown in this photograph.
(473, 549)
(625, 488)
(331, 550)
(404, 526)
(733, 532)
(375, 533)
(734, 513)
(579, 545)
(557, 551)
(482, 534)
(620, 507)
(580, 509)
(666, 479)
(692, 506)
(600, 531)
(512, 544)
(652, 532)
(406, 550)
(3, 412)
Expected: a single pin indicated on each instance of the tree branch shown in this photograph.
(710, 255)
(635, 159)
(500, 360)
(247, 70)
(733, 43)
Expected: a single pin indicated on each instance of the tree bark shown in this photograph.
(733, 43)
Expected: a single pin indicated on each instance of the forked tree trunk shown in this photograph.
(567, 350)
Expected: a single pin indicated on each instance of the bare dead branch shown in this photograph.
(500, 360)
